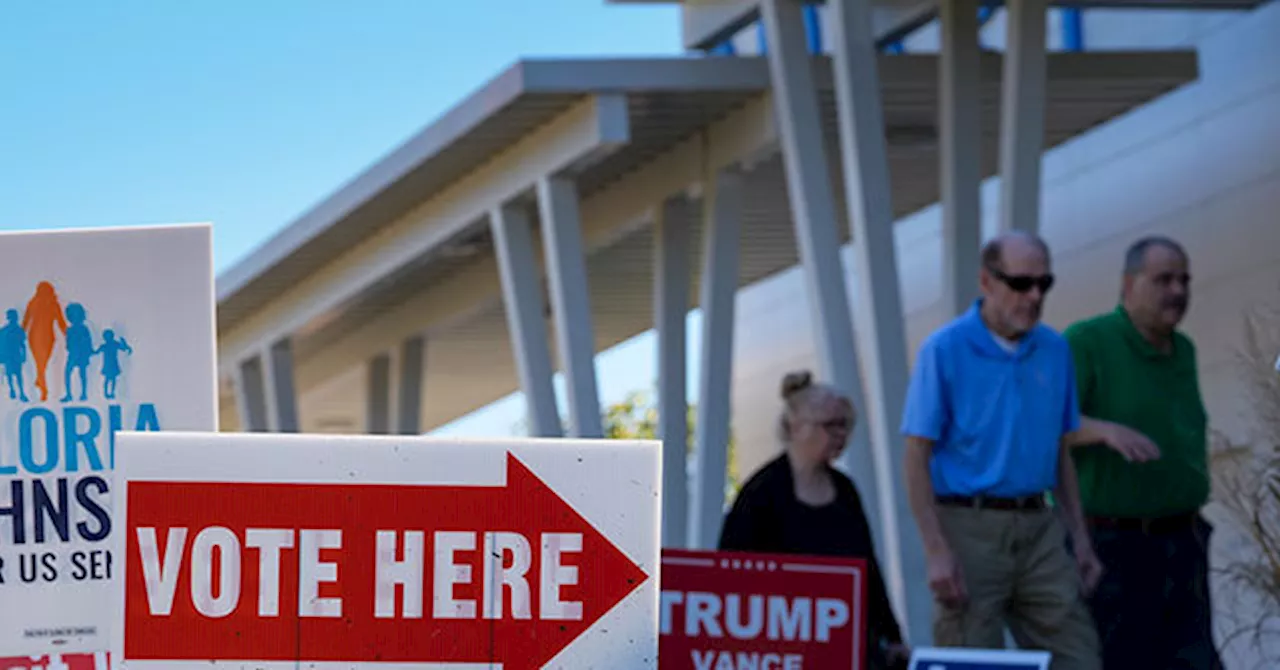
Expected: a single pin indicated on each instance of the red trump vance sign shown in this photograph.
(743, 611)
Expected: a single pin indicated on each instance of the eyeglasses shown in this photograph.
(831, 425)
(1023, 283)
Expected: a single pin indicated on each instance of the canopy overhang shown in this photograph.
(705, 23)
(403, 249)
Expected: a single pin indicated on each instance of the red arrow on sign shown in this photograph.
(364, 573)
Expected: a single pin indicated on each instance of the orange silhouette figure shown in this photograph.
(43, 312)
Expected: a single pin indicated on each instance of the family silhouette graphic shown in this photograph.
(13, 349)
(37, 333)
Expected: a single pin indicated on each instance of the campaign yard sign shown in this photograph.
(747, 611)
(978, 659)
(271, 551)
(94, 661)
(100, 330)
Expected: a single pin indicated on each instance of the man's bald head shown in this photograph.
(1015, 277)
(1013, 243)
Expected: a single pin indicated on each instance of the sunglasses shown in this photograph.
(1023, 283)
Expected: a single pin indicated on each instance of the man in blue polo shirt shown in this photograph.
(991, 404)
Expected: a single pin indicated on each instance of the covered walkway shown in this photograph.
(569, 205)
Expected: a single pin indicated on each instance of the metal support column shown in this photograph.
(378, 395)
(251, 395)
(883, 331)
(960, 153)
(522, 297)
(813, 210)
(671, 274)
(282, 401)
(1022, 114)
(567, 276)
(722, 216)
(409, 396)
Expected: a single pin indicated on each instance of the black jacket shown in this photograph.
(767, 517)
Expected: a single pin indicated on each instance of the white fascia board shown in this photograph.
(640, 75)
(597, 124)
(464, 117)
(530, 76)
(746, 135)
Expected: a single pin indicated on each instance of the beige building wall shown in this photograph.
(1201, 165)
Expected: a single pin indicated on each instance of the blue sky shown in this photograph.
(246, 113)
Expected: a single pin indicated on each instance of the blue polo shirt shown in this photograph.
(996, 417)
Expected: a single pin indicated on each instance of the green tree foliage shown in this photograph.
(635, 417)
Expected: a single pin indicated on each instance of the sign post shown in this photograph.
(100, 330)
(263, 551)
(771, 612)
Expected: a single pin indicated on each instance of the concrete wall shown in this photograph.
(1201, 165)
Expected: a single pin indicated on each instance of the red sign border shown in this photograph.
(853, 567)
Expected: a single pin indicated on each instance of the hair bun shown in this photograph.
(795, 382)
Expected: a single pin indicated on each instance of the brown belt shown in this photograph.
(1149, 525)
(1033, 502)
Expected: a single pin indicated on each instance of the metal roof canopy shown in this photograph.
(669, 101)
(708, 22)
(522, 98)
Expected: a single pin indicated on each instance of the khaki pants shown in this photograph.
(1018, 573)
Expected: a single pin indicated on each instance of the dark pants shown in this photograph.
(1152, 607)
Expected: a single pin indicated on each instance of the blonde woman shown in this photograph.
(799, 504)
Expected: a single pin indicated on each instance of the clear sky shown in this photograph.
(247, 112)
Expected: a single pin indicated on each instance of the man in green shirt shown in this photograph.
(1137, 379)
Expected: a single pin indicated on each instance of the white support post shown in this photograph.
(671, 274)
(813, 210)
(522, 297)
(409, 396)
(251, 395)
(282, 401)
(567, 274)
(1022, 114)
(883, 331)
(378, 395)
(722, 212)
(960, 153)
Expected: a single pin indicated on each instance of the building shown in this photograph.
(570, 205)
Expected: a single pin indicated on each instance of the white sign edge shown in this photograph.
(118, 541)
(924, 655)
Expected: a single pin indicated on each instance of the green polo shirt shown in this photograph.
(1124, 379)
